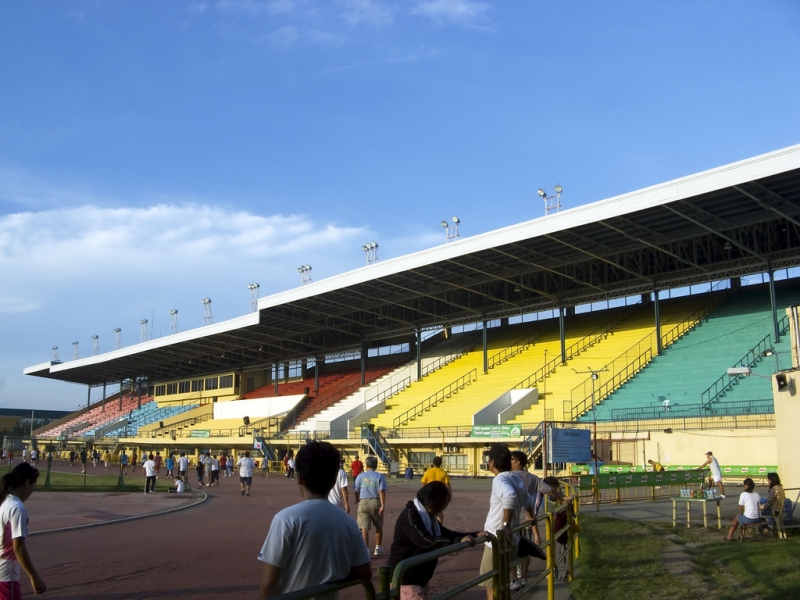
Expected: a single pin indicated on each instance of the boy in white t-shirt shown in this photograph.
(312, 542)
(149, 467)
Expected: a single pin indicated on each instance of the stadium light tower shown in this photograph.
(75, 354)
(208, 318)
(117, 338)
(56, 357)
(173, 313)
(143, 336)
(551, 203)
(95, 344)
(371, 250)
(451, 231)
(253, 287)
(305, 273)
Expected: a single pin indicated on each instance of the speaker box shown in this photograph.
(161, 424)
(246, 420)
(782, 381)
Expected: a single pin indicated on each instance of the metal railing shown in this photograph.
(726, 382)
(744, 407)
(434, 399)
(389, 582)
(388, 393)
(573, 349)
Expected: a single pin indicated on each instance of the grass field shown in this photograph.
(625, 559)
(75, 482)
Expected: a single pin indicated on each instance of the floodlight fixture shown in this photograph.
(143, 334)
(451, 231)
(253, 287)
(371, 251)
(305, 273)
(95, 344)
(551, 203)
(208, 318)
(740, 371)
(173, 313)
(56, 357)
(75, 354)
(117, 338)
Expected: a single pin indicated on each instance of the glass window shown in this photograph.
(226, 381)
(172, 388)
(197, 385)
(183, 387)
(160, 390)
(212, 383)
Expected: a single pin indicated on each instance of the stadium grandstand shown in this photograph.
(623, 315)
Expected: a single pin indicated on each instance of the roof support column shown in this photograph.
(316, 375)
(659, 346)
(139, 392)
(88, 396)
(103, 409)
(277, 376)
(562, 334)
(485, 349)
(773, 302)
(363, 363)
(419, 354)
(120, 393)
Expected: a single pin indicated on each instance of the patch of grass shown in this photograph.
(74, 482)
(768, 570)
(622, 559)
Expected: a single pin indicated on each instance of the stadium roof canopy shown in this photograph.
(735, 220)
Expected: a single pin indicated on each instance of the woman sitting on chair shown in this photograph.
(748, 509)
(773, 506)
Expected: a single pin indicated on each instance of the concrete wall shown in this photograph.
(787, 420)
(257, 408)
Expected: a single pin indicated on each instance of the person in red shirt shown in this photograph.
(357, 467)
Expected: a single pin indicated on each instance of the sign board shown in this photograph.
(610, 481)
(200, 433)
(496, 431)
(569, 445)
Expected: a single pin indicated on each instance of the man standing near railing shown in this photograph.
(509, 498)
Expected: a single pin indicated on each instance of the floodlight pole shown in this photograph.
(595, 375)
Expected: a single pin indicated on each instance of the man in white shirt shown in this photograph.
(716, 472)
(183, 466)
(312, 542)
(246, 465)
(338, 493)
(149, 467)
(34, 457)
(509, 498)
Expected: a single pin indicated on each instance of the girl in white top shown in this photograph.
(16, 487)
(748, 508)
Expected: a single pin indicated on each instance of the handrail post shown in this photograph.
(550, 556)
(500, 561)
(570, 543)
(384, 581)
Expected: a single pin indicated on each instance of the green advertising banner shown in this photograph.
(496, 431)
(732, 470)
(609, 481)
(200, 433)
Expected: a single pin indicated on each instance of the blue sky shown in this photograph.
(155, 153)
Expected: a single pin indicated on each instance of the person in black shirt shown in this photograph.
(417, 531)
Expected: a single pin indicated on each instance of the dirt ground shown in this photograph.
(206, 551)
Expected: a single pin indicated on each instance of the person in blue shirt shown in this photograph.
(370, 491)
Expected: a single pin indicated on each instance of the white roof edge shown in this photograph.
(183, 336)
(45, 366)
(710, 180)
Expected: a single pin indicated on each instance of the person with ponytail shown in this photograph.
(16, 487)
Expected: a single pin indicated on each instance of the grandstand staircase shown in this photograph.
(378, 445)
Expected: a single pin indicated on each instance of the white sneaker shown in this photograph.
(378, 550)
(722, 495)
(515, 585)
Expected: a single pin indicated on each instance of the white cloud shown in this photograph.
(367, 12)
(61, 252)
(464, 12)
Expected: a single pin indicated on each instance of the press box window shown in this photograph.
(226, 381)
(212, 383)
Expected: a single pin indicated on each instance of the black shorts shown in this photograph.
(247, 480)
